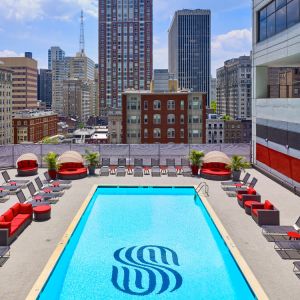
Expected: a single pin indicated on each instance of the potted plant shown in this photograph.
(238, 163)
(196, 161)
(93, 160)
(51, 160)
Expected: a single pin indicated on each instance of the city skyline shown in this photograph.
(45, 26)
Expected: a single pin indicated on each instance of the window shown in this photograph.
(171, 104)
(145, 119)
(171, 119)
(145, 133)
(182, 133)
(293, 10)
(145, 105)
(171, 133)
(181, 119)
(156, 133)
(156, 104)
(156, 119)
(182, 104)
(281, 19)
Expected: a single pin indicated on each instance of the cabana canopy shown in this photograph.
(70, 157)
(216, 157)
(27, 156)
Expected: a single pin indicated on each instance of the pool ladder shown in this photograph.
(202, 186)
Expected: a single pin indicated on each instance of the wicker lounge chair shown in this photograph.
(265, 214)
(121, 169)
(59, 191)
(138, 167)
(288, 249)
(104, 170)
(60, 181)
(19, 182)
(155, 167)
(234, 183)
(4, 195)
(233, 190)
(186, 169)
(171, 167)
(279, 233)
(4, 254)
(41, 196)
(12, 189)
(296, 268)
(22, 199)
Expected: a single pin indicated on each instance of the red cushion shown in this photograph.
(42, 209)
(2, 219)
(76, 172)
(251, 191)
(6, 225)
(18, 222)
(240, 197)
(23, 217)
(8, 215)
(28, 168)
(26, 209)
(215, 172)
(70, 165)
(254, 211)
(250, 202)
(16, 208)
(13, 229)
(268, 205)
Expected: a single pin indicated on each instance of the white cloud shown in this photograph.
(9, 53)
(230, 45)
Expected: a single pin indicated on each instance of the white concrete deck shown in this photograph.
(31, 251)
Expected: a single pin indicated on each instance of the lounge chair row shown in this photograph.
(139, 169)
(286, 238)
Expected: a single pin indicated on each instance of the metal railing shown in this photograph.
(10, 153)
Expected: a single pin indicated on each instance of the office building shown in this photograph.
(33, 126)
(213, 89)
(276, 123)
(163, 81)
(45, 87)
(6, 83)
(234, 88)
(125, 49)
(55, 53)
(190, 50)
(166, 117)
(24, 92)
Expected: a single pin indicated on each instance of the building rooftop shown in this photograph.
(33, 114)
(38, 241)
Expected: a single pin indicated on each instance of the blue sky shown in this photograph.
(35, 25)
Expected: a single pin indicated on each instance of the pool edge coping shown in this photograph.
(239, 259)
(48, 268)
(253, 282)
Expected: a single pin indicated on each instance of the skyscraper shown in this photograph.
(190, 50)
(125, 49)
(45, 87)
(55, 53)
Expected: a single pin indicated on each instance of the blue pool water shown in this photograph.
(155, 243)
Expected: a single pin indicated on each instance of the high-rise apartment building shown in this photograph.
(24, 92)
(276, 122)
(234, 88)
(125, 49)
(190, 50)
(45, 87)
(55, 53)
(6, 83)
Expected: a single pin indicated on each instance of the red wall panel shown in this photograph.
(280, 162)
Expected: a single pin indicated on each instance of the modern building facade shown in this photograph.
(167, 117)
(276, 123)
(234, 88)
(45, 87)
(125, 49)
(33, 126)
(55, 53)
(6, 83)
(190, 50)
(24, 92)
(163, 81)
(213, 89)
(214, 131)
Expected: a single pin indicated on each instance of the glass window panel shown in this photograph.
(280, 3)
(281, 19)
(263, 30)
(263, 14)
(293, 13)
(270, 8)
(271, 25)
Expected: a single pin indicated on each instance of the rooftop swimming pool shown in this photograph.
(155, 242)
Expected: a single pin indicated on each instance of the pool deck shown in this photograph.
(31, 251)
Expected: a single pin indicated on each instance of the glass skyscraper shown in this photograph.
(190, 50)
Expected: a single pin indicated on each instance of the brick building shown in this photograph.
(177, 117)
(34, 126)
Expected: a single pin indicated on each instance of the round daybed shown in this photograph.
(71, 166)
(214, 166)
(27, 164)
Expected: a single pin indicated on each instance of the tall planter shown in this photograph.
(93, 160)
(236, 175)
(52, 174)
(51, 160)
(196, 161)
(195, 170)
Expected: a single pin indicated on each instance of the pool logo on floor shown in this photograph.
(145, 270)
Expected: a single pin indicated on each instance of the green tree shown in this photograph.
(213, 105)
